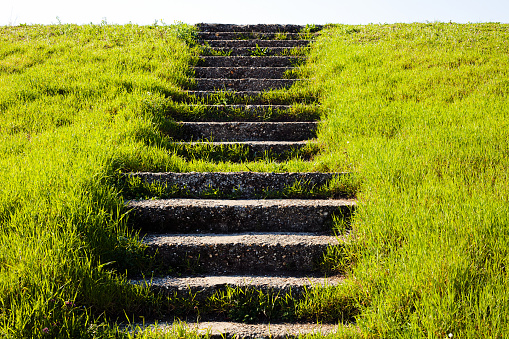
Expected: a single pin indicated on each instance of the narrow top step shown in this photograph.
(252, 28)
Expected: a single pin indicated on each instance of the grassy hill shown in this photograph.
(418, 112)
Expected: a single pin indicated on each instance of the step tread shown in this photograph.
(268, 28)
(229, 330)
(261, 61)
(256, 281)
(250, 51)
(260, 203)
(256, 43)
(247, 84)
(246, 239)
(248, 35)
(241, 72)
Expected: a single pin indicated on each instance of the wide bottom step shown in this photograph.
(221, 330)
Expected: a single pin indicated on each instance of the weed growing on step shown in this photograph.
(259, 51)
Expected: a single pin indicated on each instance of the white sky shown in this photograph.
(15, 12)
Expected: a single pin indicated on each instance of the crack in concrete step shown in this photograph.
(248, 61)
(251, 253)
(242, 84)
(251, 51)
(249, 131)
(264, 28)
(206, 286)
(241, 72)
(233, 330)
(231, 216)
(255, 43)
(250, 35)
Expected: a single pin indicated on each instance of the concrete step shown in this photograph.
(249, 131)
(255, 43)
(249, 35)
(252, 51)
(205, 84)
(248, 61)
(207, 113)
(205, 286)
(270, 28)
(234, 330)
(240, 185)
(240, 253)
(241, 72)
(241, 151)
(250, 97)
(231, 216)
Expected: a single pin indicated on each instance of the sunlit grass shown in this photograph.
(420, 112)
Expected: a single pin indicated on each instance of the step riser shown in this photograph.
(241, 72)
(255, 43)
(249, 131)
(246, 61)
(240, 184)
(239, 257)
(205, 287)
(245, 151)
(249, 51)
(242, 84)
(249, 35)
(270, 28)
(222, 218)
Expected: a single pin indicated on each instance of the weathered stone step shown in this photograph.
(240, 151)
(256, 43)
(206, 113)
(205, 286)
(249, 131)
(240, 253)
(205, 84)
(270, 28)
(249, 35)
(247, 61)
(231, 216)
(241, 185)
(233, 330)
(251, 51)
(241, 72)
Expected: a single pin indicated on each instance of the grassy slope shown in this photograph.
(72, 113)
(417, 110)
(421, 112)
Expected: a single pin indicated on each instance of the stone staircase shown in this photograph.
(241, 242)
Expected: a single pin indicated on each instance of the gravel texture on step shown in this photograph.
(249, 131)
(231, 330)
(268, 28)
(241, 72)
(250, 51)
(238, 253)
(241, 184)
(249, 35)
(242, 84)
(248, 61)
(231, 216)
(255, 43)
(206, 286)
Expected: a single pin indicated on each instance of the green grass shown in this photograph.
(419, 112)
